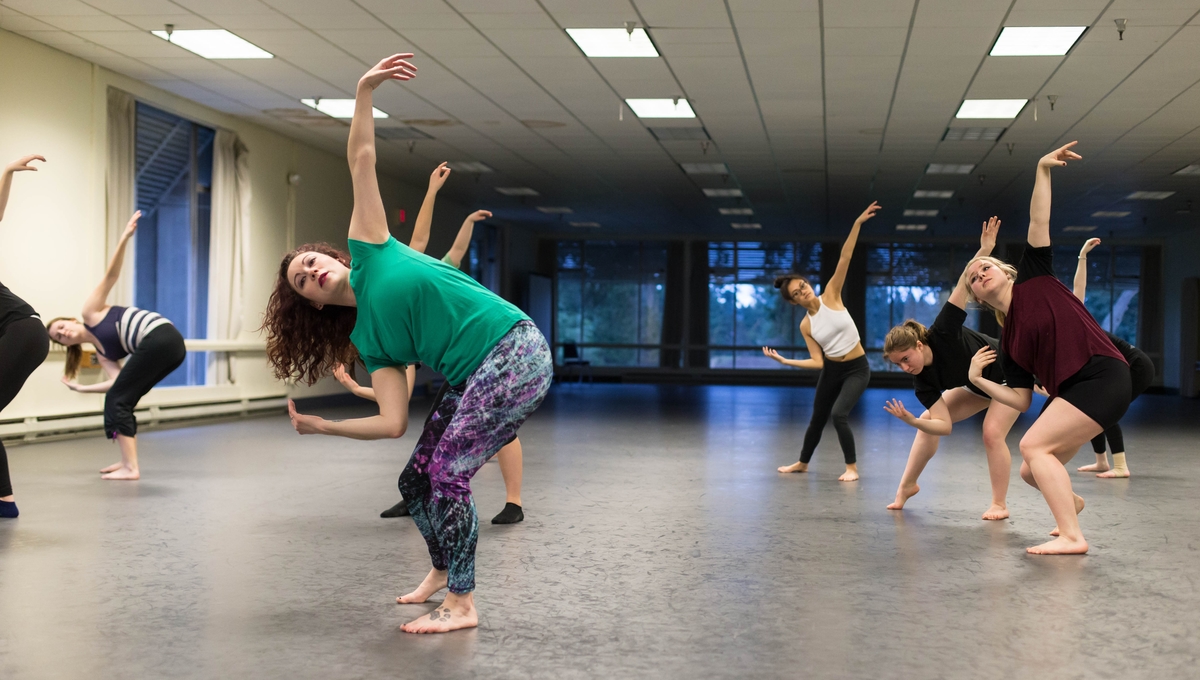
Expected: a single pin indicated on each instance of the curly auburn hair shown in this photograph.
(304, 342)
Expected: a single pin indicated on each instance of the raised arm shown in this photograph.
(392, 422)
(368, 222)
(987, 243)
(834, 287)
(21, 164)
(1080, 288)
(462, 242)
(420, 237)
(1039, 205)
(99, 297)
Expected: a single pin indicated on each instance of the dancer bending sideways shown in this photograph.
(154, 347)
(833, 348)
(396, 307)
(1049, 333)
(938, 359)
(23, 342)
(510, 455)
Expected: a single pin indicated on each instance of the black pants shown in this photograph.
(839, 388)
(23, 347)
(1141, 374)
(159, 353)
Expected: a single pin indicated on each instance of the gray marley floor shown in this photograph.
(660, 542)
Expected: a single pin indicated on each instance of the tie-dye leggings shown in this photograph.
(472, 422)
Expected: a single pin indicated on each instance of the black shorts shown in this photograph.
(437, 400)
(1141, 372)
(1102, 389)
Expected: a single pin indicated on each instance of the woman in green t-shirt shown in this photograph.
(392, 306)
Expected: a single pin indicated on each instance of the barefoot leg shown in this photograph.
(455, 613)
(511, 465)
(924, 446)
(1101, 464)
(851, 473)
(111, 468)
(795, 467)
(1050, 441)
(1119, 470)
(434, 581)
(128, 470)
(996, 425)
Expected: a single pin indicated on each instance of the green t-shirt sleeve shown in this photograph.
(361, 251)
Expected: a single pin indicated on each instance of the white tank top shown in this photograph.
(833, 330)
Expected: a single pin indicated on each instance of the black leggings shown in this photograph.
(159, 353)
(839, 388)
(23, 347)
(1141, 374)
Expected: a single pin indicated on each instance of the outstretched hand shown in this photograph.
(74, 386)
(1088, 245)
(479, 216)
(438, 177)
(868, 213)
(982, 359)
(303, 424)
(23, 163)
(772, 354)
(1059, 156)
(896, 408)
(987, 238)
(394, 67)
(131, 227)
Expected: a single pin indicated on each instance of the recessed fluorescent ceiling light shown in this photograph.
(1036, 41)
(746, 225)
(933, 193)
(554, 210)
(215, 44)
(1111, 213)
(338, 108)
(661, 108)
(920, 213)
(584, 224)
(517, 191)
(613, 42)
(990, 108)
(1149, 195)
(723, 193)
(1083, 229)
(973, 134)
(911, 227)
(705, 168)
(948, 169)
(735, 211)
(1193, 169)
(474, 167)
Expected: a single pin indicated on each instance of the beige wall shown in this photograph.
(52, 237)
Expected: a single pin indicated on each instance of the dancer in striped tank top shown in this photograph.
(152, 343)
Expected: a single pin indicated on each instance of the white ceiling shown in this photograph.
(817, 107)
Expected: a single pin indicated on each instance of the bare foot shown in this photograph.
(849, 476)
(1060, 546)
(795, 467)
(1114, 474)
(996, 511)
(123, 473)
(1094, 467)
(435, 581)
(1078, 509)
(902, 496)
(457, 612)
(111, 468)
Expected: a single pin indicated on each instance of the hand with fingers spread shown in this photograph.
(1088, 245)
(479, 216)
(438, 177)
(982, 359)
(343, 376)
(773, 354)
(23, 164)
(987, 238)
(304, 424)
(1059, 156)
(896, 408)
(395, 67)
(868, 213)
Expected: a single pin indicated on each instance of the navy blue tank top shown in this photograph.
(122, 328)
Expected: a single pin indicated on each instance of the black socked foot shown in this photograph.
(8, 510)
(398, 510)
(511, 514)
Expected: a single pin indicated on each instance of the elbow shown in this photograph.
(396, 430)
(362, 156)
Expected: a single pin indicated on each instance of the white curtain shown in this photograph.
(229, 250)
(120, 182)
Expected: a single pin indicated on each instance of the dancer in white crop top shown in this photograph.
(835, 349)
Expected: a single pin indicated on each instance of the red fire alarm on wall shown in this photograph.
(400, 215)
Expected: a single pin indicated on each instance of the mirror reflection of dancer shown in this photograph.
(1049, 333)
(154, 346)
(510, 455)
(23, 341)
(398, 307)
(833, 348)
(939, 358)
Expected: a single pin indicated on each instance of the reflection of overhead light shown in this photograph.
(745, 225)
(1036, 41)
(473, 167)
(723, 193)
(214, 44)
(1111, 213)
(1193, 169)
(1149, 195)
(911, 227)
(920, 213)
(517, 191)
(705, 168)
(735, 211)
(554, 210)
(990, 108)
(584, 224)
(1081, 229)
(661, 108)
(613, 42)
(933, 193)
(948, 169)
(339, 108)
(973, 134)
